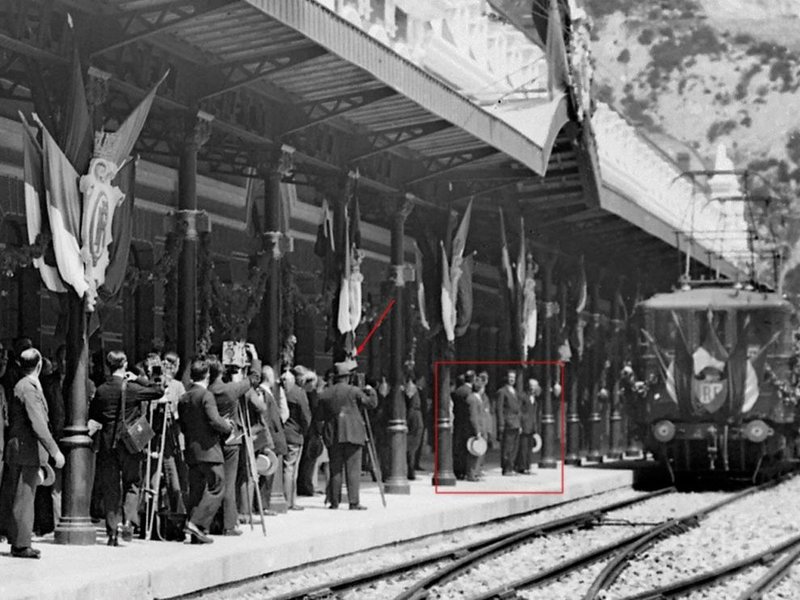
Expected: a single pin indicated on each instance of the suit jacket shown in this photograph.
(202, 426)
(299, 419)
(228, 397)
(528, 414)
(274, 422)
(29, 439)
(466, 413)
(508, 409)
(339, 411)
(105, 408)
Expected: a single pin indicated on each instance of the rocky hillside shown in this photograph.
(704, 72)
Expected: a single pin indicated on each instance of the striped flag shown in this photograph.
(423, 317)
(64, 211)
(505, 256)
(34, 197)
(583, 292)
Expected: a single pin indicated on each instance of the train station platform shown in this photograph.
(146, 570)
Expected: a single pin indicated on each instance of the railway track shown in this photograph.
(461, 558)
(618, 553)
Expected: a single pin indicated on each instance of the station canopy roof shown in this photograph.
(717, 298)
(292, 72)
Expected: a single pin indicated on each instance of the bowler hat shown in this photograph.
(266, 463)
(345, 367)
(537, 442)
(476, 446)
(47, 476)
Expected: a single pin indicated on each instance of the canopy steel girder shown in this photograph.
(353, 45)
(389, 139)
(444, 163)
(142, 23)
(246, 72)
(320, 111)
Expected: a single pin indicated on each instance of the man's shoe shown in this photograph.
(333, 507)
(25, 553)
(113, 541)
(269, 513)
(125, 532)
(295, 507)
(357, 507)
(233, 531)
(198, 537)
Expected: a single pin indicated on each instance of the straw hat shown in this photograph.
(266, 463)
(476, 446)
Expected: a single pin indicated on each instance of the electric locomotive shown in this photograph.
(719, 386)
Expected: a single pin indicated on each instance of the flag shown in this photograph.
(460, 240)
(34, 202)
(343, 313)
(77, 134)
(288, 196)
(355, 223)
(464, 296)
(505, 257)
(122, 232)
(583, 294)
(529, 313)
(521, 258)
(64, 211)
(125, 137)
(683, 363)
(447, 300)
(420, 288)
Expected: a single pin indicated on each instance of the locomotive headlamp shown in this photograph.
(757, 431)
(664, 431)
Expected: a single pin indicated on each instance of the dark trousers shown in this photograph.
(347, 456)
(206, 487)
(509, 445)
(524, 453)
(119, 475)
(16, 503)
(230, 513)
(413, 441)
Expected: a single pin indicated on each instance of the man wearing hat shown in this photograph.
(344, 431)
(203, 428)
(29, 446)
(465, 426)
(528, 427)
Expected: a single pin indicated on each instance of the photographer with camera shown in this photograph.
(229, 396)
(116, 405)
(344, 432)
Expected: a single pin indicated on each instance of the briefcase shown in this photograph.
(137, 435)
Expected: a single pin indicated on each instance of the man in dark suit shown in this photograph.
(344, 432)
(295, 429)
(29, 445)
(202, 427)
(528, 424)
(118, 471)
(509, 423)
(229, 396)
(274, 418)
(463, 427)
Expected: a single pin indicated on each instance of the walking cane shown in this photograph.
(252, 472)
(373, 458)
(159, 469)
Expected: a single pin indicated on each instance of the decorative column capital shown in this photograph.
(190, 128)
(191, 223)
(405, 206)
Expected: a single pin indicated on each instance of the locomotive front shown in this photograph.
(719, 394)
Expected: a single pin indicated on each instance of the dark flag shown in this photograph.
(464, 296)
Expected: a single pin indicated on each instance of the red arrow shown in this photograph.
(375, 327)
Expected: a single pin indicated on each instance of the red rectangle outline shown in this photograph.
(560, 364)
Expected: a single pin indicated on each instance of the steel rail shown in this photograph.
(625, 547)
(771, 578)
(704, 580)
(502, 543)
(614, 568)
(328, 588)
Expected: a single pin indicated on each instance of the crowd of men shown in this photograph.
(211, 427)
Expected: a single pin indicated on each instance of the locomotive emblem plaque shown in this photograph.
(709, 393)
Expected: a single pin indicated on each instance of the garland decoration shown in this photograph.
(20, 257)
(228, 308)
